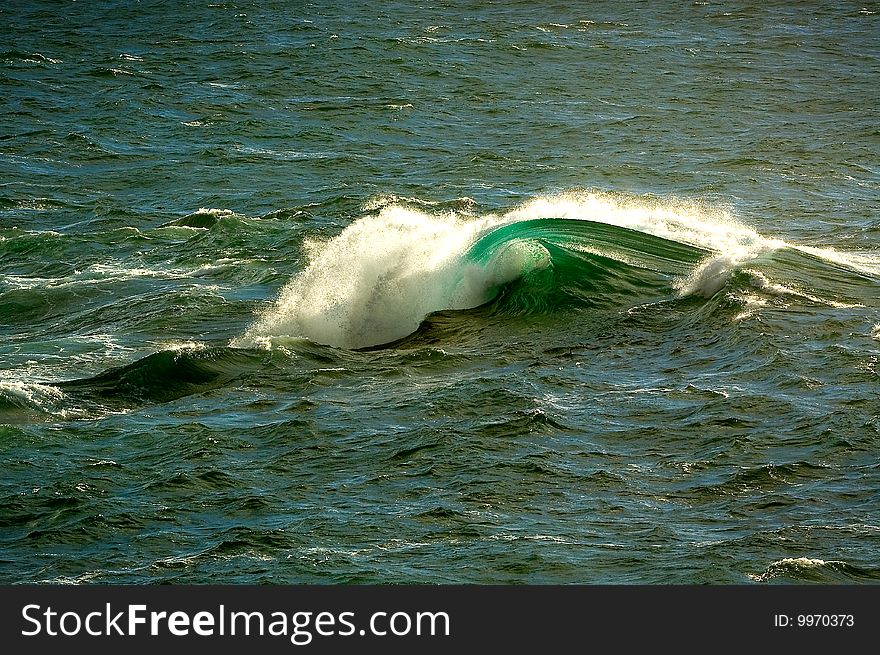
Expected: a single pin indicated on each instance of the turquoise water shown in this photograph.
(470, 293)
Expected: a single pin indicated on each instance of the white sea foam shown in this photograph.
(752, 301)
(37, 58)
(792, 565)
(32, 396)
(211, 211)
(103, 273)
(182, 346)
(760, 281)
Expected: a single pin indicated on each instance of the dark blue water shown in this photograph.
(475, 292)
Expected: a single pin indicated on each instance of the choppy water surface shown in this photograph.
(479, 292)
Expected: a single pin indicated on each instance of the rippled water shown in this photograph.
(476, 292)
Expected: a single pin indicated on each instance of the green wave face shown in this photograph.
(611, 241)
(545, 263)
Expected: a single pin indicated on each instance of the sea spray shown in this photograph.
(377, 280)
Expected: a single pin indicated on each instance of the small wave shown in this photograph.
(203, 218)
(22, 402)
(37, 58)
(760, 281)
(463, 206)
(29, 395)
(112, 71)
(179, 371)
(867, 264)
(806, 569)
(182, 369)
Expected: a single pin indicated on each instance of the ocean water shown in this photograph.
(472, 292)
